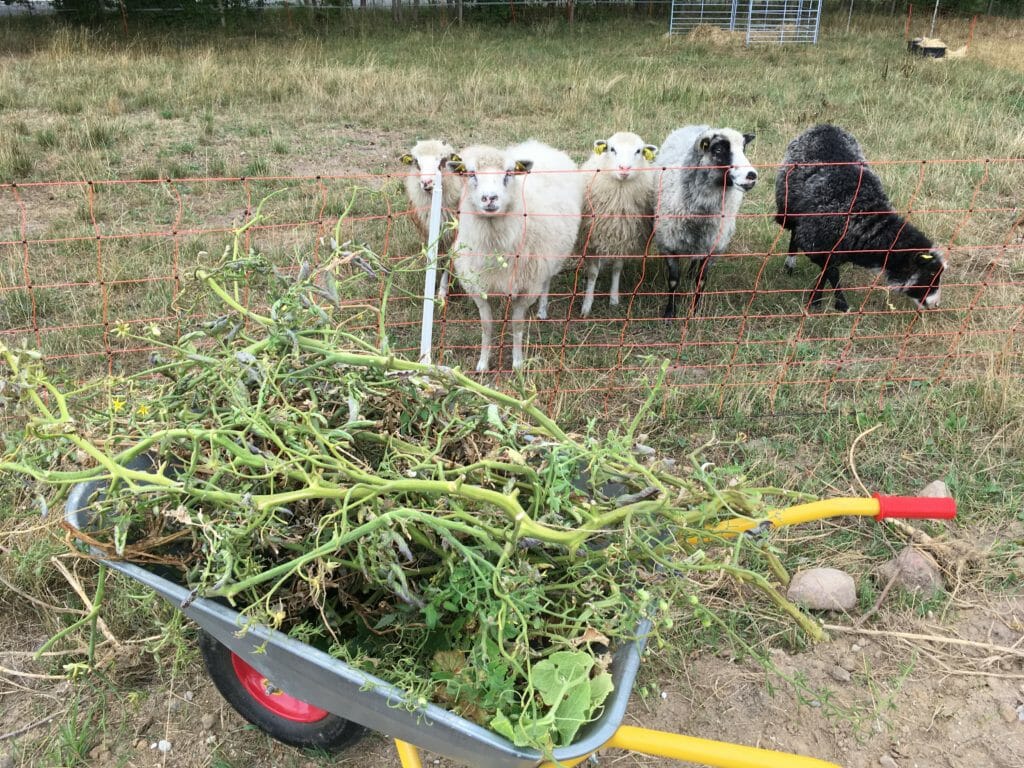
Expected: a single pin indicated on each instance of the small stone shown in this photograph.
(6, 760)
(886, 761)
(163, 745)
(95, 752)
(913, 570)
(643, 450)
(855, 647)
(849, 664)
(838, 673)
(664, 695)
(211, 739)
(1008, 712)
(208, 721)
(141, 744)
(823, 589)
(189, 695)
(936, 489)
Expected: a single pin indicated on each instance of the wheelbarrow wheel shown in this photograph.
(283, 717)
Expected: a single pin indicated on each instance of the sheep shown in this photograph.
(836, 211)
(704, 176)
(518, 222)
(619, 203)
(424, 160)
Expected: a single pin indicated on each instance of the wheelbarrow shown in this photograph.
(303, 697)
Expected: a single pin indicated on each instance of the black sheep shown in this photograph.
(834, 206)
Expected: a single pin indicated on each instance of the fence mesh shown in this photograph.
(81, 261)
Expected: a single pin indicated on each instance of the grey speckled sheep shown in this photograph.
(518, 222)
(836, 211)
(705, 175)
(618, 206)
(424, 160)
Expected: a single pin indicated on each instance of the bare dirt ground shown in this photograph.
(873, 698)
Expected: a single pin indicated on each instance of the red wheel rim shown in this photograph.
(273, 698)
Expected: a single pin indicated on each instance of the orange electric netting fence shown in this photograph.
(79, 260)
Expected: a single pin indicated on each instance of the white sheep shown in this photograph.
(424, 160)
(704, 178)
(518, 222)
(618, 206)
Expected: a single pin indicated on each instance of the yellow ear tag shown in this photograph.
(600, 147)
(407, 159)
(926, 257)
(648, 154)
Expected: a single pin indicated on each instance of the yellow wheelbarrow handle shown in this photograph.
(717, 754)
(878, 506)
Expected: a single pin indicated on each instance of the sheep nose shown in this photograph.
(487, 199)
(427, 185)
(624, 168)
(752, 176)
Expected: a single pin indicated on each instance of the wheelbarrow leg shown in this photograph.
(408, 755)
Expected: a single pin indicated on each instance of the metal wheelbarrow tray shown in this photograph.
(307, 674)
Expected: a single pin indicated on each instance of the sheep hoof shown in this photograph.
(842, 306)
(789, 268)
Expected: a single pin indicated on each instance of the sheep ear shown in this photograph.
(600, 146)
(407, 159)
(524, 166)
(704, 144)
(748, 138)
(455, 164)
(650, 150)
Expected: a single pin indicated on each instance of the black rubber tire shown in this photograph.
(330, 734)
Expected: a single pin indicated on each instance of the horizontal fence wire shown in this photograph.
(82, 262)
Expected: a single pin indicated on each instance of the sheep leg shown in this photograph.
(791, 254)
(673, 282)
(616, 274)
(832, 275)
(486, 332)
(542, 308)
(699, 272)
(593, 270)
(519, 306)
(829, 272)
(442, 286)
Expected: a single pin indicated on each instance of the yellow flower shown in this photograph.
(142, 410)
(154, 330)
(117, 405)
(122, 330)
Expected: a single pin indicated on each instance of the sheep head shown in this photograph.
(623, 153)
(426, 159)
(925, 270)
(722, 149)
(492, 178)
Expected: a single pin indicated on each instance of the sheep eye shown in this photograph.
(612, 150)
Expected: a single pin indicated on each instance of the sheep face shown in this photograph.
(722, 149)
(624, 153)
(921, 283)
(426, 159)
(493, 180)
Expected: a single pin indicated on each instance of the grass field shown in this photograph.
(340, 97)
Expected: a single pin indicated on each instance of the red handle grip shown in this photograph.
(915, 507)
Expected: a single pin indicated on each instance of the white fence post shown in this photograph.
(430, 279)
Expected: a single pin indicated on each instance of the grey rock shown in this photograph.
(823, 589)
(208, 721)
(914, 570)
(6, 760)
(838, 673)
(886, 761)
(936, 489)
(1008, 712)
(849, 663)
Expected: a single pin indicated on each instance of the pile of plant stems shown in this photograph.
(439, 533)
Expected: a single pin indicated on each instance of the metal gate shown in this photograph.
(763, 21)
